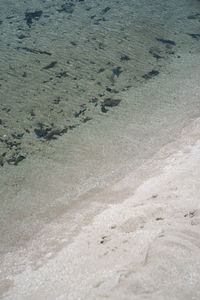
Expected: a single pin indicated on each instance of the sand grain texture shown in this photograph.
(146, 247)
(109, 209)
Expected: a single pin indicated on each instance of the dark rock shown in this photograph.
(15, 160)
(17, 135)
(52, 134)
(194, 35)
(51, 65)
(42, 130)
(101, 70)
(117, 71)
(62, 74)
(103, 109)
(112, 90)
(194, 17)
(81, 112)
(30, 16)
(111, 102)
(56, 101)
(21, 36)
(124, 58)
(151, 74)
(105, 10)
(169, 42)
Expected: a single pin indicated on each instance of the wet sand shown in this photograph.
(144, 244)
(107, 209)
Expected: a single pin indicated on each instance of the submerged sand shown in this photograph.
(132, 238)
(109, 210)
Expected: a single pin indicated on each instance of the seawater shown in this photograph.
(89, 90)
(65, 63)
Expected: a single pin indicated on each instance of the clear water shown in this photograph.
(65, 63)
(83, 97)
(89, 91)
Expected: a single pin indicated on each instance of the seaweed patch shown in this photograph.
(151, 74)
(30, 16)
(109, 102)
(117, 71)
(194, 35)
(169, 42)
(35, 51)
(51, 65)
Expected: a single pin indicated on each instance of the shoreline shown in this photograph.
(117, 246)
(70, 173)
(111, 211)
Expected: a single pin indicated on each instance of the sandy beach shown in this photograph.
(144, 244)
(133, 238)
(99, 150)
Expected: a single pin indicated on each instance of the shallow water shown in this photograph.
(65, 63)
(89, 91)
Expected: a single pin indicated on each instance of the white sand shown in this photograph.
(144, 247)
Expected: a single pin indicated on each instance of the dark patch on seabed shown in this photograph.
(64, 62)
